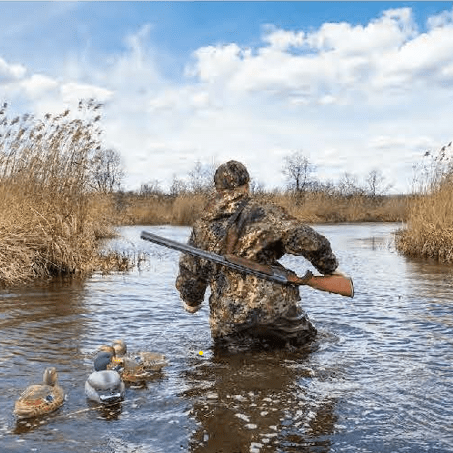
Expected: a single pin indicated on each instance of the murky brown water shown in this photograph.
(378, 379)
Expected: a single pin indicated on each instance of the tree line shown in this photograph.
(300, 179)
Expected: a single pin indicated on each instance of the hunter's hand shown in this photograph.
(191, 309)
(339, 272)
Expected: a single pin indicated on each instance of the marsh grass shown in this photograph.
(429, 231)
(324, 207)
(52, 214)
(312, 208)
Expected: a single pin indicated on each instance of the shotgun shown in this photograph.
(337, 284)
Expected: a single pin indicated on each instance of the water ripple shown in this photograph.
(379, 377)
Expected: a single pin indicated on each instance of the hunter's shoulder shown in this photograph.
(269, 210)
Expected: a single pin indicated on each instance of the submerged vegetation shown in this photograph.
(54, 195)
(429, 231)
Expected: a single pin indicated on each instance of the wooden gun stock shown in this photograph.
(335, 283)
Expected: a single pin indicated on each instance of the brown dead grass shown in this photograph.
(321, 207)
(429, 231)
(313, 208)
(161, 209)
(51, 217)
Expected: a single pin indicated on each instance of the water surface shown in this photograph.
(378, 378)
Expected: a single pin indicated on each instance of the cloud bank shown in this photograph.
(352, 98)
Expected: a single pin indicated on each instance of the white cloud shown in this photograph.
(72, 92)
(181, 99)
(38, 85)
(388, 32)
(283, 39)
(353, 98)
(10, 72)
(217, 62)
(443, 19)
(333, 63)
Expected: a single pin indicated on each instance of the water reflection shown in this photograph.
(27, 425)
(110, 412)
(39, 326)
(43, 324)
(256, 402)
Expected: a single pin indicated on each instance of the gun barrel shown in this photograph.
(233, 262)
(333, 284)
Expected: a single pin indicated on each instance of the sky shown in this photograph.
(352, 86)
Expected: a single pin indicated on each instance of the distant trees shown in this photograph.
(298, 171)
(348, 185)
(256, 187)
(376, 184)
(108, 171)
(178, 186)
(300, 180)
(151, 188)
(201, 177)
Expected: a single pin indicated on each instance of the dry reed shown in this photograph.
(313, 208)
(161, 209)
(429, 231)
(52, 215)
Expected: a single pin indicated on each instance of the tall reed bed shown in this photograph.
(312, 208)
(52, 213)
(161, 209)
(429, 231)
(325, 207)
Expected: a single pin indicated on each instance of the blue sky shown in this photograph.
(355, 86)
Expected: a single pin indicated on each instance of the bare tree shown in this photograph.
(348, 185)
(108, 170)
(151, 188)
(178, 187)
(298, 170)
(201, 177)
(376, 183)
(256, 187)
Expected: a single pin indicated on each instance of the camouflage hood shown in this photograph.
(224, 203)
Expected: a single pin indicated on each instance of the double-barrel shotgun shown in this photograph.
(335, 283)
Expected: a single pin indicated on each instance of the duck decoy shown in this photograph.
(134, 369)
(151, 361)
(104, 385)
(39, 399)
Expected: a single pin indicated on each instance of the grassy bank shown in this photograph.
(312, 208)
(429, 231)
(52, 213)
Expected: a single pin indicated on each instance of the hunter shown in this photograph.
(244, 307)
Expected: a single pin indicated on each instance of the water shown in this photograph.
(379, 378)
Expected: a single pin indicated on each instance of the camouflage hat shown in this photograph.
(230, 175)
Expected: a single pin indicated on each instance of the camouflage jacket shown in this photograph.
(264, 233)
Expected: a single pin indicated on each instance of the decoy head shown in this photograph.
(107, 348)
(50, 376)
(120, 347)
(102, 360)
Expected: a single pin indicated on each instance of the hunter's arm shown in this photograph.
(192, 279)
(305, 241)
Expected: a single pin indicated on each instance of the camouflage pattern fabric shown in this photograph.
(245, 304)
(231, 174)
